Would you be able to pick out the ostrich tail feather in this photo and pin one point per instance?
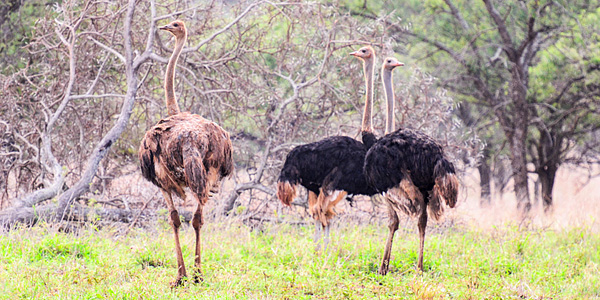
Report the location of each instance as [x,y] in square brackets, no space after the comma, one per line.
[286,192]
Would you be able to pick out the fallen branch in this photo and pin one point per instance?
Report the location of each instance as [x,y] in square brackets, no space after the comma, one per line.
[278,221]
[230,201]
[29,216]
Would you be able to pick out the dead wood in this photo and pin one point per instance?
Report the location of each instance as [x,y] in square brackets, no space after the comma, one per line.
[29,216]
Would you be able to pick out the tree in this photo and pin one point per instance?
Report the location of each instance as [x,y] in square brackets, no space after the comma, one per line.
[274,74]
[565,95]
[246,64]
[485,51]
[81,33]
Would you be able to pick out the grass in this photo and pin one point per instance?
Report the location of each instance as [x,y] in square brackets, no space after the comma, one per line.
[278,262]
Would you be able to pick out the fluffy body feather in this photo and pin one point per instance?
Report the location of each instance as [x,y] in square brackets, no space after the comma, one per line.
[329,169]
[410,162]
[186,150]
[410,169]
[334,163]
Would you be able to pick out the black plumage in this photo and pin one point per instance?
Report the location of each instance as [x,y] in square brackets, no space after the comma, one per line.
[411,171]
[331,168]
[410,168]
[410,155]
[334,163]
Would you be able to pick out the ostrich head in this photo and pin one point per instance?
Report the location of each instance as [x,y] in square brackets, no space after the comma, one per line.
[390,63]
[176,28]
[364,52]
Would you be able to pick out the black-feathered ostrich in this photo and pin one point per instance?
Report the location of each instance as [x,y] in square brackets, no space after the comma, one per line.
[184,150]
[412,172]
[331,168]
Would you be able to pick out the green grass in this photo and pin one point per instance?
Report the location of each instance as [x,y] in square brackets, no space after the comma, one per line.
[278,262]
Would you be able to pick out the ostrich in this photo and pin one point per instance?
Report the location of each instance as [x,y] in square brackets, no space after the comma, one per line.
[184,150]
[410,168]
[331,168]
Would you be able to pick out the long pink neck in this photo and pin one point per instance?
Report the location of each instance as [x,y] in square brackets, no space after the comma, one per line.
[172,106]
[389,93]
[367,122]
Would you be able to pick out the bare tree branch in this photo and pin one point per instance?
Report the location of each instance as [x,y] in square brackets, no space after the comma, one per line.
[463,23]
[508,45]
[107,141]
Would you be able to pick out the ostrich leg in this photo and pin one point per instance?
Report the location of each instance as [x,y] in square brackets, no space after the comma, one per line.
[326,242]
[197,222]
[176,223]
[329,213]
[312,202]
[422,226]
[317,237]
[393,226]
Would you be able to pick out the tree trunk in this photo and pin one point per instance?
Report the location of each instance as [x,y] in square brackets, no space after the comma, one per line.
[517,135]
[547,177]
[548,163]
[484,178]
[536,192]
[100,151]
[518,163]
[229,202]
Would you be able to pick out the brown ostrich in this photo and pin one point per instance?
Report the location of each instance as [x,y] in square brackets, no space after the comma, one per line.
[412,172]
[331,168]
[184,150]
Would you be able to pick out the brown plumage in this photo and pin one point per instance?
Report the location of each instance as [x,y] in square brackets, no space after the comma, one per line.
[412,171]
[184,150]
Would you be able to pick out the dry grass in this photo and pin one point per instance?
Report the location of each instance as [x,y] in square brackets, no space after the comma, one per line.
[576,204]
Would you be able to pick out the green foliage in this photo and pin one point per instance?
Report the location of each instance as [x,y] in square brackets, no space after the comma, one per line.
[553,44]
[57,247]
[18,30]
[279,262]
[152,256]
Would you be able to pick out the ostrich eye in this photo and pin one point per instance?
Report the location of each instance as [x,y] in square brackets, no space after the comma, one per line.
[175,25]
[364,51]
[389,61]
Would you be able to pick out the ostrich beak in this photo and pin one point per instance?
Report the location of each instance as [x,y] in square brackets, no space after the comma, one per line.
[398,64]
[166,27]
[355,53]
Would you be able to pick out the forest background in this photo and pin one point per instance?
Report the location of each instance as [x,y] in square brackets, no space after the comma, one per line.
[510,88]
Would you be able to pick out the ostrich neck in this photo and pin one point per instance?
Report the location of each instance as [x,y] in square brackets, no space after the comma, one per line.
[172,106]
[367,125]
[389,94]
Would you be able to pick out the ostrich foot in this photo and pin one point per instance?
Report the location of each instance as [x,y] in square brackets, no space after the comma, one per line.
[177,282]
[198,277]
[383,269]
